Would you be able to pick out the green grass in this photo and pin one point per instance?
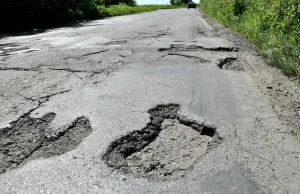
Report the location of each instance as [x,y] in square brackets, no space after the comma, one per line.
[273,27]
[123,9]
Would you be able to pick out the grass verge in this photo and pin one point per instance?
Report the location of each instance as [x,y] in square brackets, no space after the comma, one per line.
[274,28]
[123,9]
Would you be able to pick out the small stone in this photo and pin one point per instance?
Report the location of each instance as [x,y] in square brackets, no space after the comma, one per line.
[269,87]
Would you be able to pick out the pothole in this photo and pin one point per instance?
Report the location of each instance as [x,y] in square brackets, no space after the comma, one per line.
[26,140]
[229,63]
[226,61]
[184,47]
[167,147]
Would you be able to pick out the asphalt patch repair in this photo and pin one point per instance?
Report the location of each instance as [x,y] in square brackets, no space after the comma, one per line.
[167,147]
[26,140]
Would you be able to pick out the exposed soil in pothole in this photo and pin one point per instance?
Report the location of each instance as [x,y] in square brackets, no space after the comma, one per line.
[175,149]
[225,61]
[229,63]
[168,146]
[26,140]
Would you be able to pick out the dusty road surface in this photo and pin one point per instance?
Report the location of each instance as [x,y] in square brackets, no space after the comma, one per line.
[162,102]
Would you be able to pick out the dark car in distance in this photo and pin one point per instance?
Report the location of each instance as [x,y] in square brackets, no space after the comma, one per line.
[191,5]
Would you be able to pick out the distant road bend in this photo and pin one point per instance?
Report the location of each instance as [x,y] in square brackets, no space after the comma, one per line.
[159,102]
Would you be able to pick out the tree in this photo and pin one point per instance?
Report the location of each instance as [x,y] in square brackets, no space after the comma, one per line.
[186,1]
[116,2]
[175,2]
[179,2]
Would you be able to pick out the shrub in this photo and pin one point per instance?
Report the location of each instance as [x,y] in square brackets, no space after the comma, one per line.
[20,14]
[239,7]
[274,27]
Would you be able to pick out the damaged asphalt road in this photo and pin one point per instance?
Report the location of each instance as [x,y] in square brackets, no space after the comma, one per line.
[162,102]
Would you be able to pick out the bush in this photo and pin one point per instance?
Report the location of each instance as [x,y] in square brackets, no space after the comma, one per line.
[123,9]
[20,14]
[274,27]
[239,7]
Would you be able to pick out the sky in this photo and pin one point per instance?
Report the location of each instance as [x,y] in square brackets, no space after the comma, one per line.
[140,2]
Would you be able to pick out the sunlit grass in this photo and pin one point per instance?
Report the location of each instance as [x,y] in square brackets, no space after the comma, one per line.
[123,9]
[274,28]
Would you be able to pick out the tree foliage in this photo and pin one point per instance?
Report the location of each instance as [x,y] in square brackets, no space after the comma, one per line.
[116,2]
[186,1]
[17,14]
[179,2]
[175,2]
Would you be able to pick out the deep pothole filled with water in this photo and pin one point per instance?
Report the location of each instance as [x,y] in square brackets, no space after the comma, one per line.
[167,147]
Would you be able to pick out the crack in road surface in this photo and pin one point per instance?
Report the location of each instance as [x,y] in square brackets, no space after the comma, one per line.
[18,69]
[168,146]
[122,41]
[77,71]
[94,53]
[199,59]
[43,99]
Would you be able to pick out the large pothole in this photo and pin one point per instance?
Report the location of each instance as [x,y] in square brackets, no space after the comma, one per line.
[166,148]
[26,140]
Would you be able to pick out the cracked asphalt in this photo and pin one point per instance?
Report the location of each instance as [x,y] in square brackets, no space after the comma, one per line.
[112,71]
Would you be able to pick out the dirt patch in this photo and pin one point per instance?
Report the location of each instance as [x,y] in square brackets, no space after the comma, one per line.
[168,146]
[26,140]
